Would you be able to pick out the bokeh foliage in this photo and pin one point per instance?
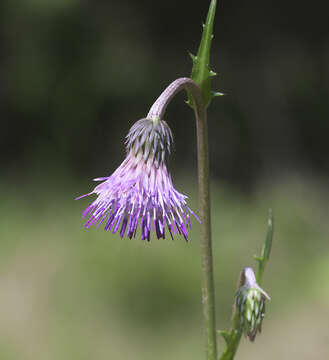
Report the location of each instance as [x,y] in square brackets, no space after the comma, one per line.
[70,293]
[76,72]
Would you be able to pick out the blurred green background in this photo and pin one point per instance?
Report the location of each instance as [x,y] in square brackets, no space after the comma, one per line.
[75,75]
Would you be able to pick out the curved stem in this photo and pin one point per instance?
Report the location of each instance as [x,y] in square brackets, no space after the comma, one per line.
[208,290]
[232,344]
[159,107]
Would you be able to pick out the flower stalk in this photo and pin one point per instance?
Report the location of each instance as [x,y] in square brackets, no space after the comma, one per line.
[202,75]
[199,97]
[208,287]
[208,291]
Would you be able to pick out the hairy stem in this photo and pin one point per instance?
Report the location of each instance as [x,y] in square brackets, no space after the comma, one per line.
[208,290]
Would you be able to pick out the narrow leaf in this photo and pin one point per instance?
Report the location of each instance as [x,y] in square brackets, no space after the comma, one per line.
[201,72]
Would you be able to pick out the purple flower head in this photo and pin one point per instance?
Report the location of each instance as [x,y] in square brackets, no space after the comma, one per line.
[140,192]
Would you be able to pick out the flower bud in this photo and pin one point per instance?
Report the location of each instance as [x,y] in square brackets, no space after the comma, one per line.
[250,304]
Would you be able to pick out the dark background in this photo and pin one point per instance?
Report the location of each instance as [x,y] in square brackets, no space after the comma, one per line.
[74,76]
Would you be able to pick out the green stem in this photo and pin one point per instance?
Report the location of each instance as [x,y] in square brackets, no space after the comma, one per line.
[208,291]
[208,288]
[232,337]
[232,345]
[202,74]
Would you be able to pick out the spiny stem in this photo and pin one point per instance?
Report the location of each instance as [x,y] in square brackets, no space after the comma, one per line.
[208,291]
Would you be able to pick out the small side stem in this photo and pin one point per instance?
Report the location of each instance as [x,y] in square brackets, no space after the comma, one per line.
[233,336]
[232,345]
[208,290]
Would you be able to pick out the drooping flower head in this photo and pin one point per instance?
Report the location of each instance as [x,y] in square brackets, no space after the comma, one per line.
[140,193]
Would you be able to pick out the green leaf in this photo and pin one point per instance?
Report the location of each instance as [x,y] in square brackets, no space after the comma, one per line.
[266,250]
[201,72]
[269,236]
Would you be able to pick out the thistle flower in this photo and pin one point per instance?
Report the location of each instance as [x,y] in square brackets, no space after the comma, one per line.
[140,193]
[250,304]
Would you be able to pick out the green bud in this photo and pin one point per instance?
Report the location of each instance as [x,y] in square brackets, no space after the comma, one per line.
[250,304]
